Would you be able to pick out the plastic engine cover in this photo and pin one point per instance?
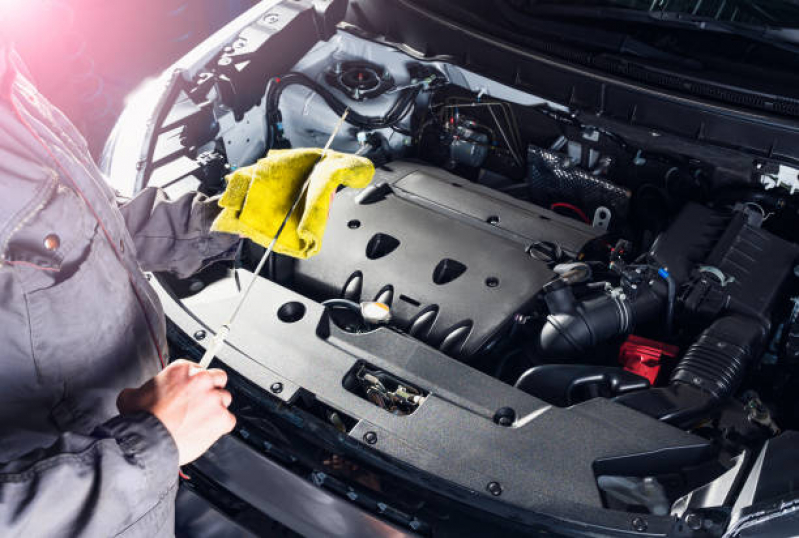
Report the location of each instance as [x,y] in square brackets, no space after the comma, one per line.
[450,257]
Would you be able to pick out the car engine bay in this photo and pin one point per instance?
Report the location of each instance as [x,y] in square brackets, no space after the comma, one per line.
[558,256]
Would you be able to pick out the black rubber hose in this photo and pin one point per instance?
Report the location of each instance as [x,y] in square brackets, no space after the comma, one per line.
[398,110]
[710,371]
[573,328]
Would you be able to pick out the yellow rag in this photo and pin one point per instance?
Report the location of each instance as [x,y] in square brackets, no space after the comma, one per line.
[258,197]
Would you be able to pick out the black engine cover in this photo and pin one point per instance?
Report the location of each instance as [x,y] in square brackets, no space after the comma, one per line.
[451,257]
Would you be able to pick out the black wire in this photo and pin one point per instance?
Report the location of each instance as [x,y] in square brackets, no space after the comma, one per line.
[401,107]
[672,295]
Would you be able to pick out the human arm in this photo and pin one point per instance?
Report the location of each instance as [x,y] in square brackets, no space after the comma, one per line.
[99,484]
[174,235]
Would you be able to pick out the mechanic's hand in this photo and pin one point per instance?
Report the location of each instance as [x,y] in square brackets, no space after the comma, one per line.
[190,401]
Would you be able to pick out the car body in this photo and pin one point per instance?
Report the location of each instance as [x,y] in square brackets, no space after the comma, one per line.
[497,231]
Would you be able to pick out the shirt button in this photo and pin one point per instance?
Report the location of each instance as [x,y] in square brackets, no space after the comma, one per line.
[52,242]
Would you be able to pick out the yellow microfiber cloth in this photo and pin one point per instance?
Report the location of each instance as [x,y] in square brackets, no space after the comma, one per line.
[258,197]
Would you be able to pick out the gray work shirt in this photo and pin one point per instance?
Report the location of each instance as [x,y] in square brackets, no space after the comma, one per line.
[78,323]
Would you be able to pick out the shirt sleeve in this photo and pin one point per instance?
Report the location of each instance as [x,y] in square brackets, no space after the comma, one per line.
[95,485]
[175,236]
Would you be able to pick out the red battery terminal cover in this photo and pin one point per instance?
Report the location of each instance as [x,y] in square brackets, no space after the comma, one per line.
[643,357]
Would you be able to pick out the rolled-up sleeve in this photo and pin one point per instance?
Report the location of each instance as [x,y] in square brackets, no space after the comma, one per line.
[174,235]
[94,485]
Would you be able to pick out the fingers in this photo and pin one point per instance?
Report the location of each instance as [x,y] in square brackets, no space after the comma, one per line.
[225,397]
[195,369]
[231,422]
[207,379]
[219,377]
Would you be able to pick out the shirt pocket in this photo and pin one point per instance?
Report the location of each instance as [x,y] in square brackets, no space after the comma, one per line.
[51,243]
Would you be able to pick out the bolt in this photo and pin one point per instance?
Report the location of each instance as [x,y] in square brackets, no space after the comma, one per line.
[200,335]
[639,524]
[494,488]
[370,438]
[271,18]
[694,521]
[277,387]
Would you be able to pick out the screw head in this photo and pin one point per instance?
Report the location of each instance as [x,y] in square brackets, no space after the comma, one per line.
[494,488]
[505,416]
[200,335]
[370,438]
[276,387]
[639,524]
[492,282]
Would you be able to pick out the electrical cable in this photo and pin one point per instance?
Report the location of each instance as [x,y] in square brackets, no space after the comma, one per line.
[342,303]
[565,205]
[398,111]
[504,136]
[672,294]
[446,115]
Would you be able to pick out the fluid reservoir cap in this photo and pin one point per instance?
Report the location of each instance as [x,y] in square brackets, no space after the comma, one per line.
[375,313]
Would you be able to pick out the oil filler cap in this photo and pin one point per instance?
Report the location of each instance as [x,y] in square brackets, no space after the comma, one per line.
[375,313]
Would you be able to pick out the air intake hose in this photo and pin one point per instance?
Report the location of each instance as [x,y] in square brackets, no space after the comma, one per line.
[710,371]
[573,328]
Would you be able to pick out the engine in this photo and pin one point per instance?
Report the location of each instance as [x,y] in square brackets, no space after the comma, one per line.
[639,282]
[459,289]
[538,245]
